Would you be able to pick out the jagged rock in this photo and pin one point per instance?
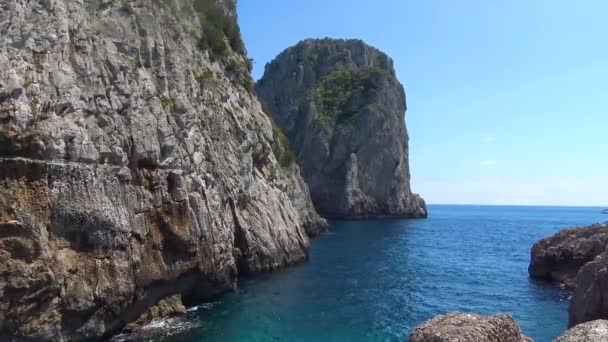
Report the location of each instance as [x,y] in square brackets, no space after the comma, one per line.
[561,256]
[594,331]
[342,109]
[464,327]
[167,307]
[590,301]
[134,166]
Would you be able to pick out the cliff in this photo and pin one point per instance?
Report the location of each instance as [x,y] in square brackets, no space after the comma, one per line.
[135,164]
[342,109]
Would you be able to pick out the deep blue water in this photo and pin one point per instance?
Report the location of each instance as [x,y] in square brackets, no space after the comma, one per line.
[375,280]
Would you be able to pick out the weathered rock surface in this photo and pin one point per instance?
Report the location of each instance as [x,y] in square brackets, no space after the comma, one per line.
[342,108]
[464,327]
[590,301]
[578,258]
[133,167]
[594,331]
[560,257]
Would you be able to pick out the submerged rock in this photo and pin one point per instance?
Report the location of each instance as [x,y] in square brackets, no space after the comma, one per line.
[135,164]
[561,256]
[342,108]
[465,327]
[594,331]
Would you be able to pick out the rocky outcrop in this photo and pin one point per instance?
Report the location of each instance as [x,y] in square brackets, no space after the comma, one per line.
[590,301]
[560,257]
[578,258]
[342,109]
[455,327]
[135,164]
[594,331]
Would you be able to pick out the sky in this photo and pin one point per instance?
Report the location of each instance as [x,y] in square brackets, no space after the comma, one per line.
[507,99]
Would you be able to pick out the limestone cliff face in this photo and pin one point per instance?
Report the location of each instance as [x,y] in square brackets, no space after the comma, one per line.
[342,108]
[135,164]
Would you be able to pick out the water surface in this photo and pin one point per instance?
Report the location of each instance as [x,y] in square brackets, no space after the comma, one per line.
[375,280]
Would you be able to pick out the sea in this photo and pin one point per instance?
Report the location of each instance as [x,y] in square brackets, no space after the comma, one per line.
[375,280]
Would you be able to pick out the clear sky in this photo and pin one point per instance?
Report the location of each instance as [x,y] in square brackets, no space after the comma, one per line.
[507,100]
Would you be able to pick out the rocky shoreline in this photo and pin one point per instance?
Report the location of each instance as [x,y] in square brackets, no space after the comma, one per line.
[467,327]
[576,257]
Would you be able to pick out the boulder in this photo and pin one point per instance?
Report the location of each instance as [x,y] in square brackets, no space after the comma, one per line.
[467,327]
[593,331]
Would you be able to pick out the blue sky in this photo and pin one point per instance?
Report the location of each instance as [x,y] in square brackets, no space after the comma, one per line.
[507,100]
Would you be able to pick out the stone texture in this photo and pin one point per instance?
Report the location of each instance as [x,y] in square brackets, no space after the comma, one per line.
[167,307]
[560,257]
[133,167]
[342,108]
[590,300]
[465,327]
[594,331]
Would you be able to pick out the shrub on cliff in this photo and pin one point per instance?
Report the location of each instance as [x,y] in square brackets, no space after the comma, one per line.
[218,27]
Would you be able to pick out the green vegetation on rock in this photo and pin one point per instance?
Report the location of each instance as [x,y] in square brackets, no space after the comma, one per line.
[336,92]
[280,146]
[218,26]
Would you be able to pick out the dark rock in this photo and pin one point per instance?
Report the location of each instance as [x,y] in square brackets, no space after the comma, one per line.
[461,327]
[342,109]
[561,256]
[594,331]
[134,167]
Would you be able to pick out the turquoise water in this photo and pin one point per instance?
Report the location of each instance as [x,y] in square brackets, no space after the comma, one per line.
[375,280]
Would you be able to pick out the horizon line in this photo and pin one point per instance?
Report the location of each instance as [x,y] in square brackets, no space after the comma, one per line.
[522,205]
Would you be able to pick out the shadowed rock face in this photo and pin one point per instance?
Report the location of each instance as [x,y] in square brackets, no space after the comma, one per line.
[594,331]
[590,300]
[133,167]
[342,108]
[456,327]
[560,257]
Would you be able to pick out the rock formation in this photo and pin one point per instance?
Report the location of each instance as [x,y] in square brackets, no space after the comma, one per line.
[590,301]
[594,331]
[577,257]
[456,327]
[135,164]
[561,256]
[342,109]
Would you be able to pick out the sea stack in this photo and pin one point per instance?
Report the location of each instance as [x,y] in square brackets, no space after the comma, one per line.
[136,165]
[343,110]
